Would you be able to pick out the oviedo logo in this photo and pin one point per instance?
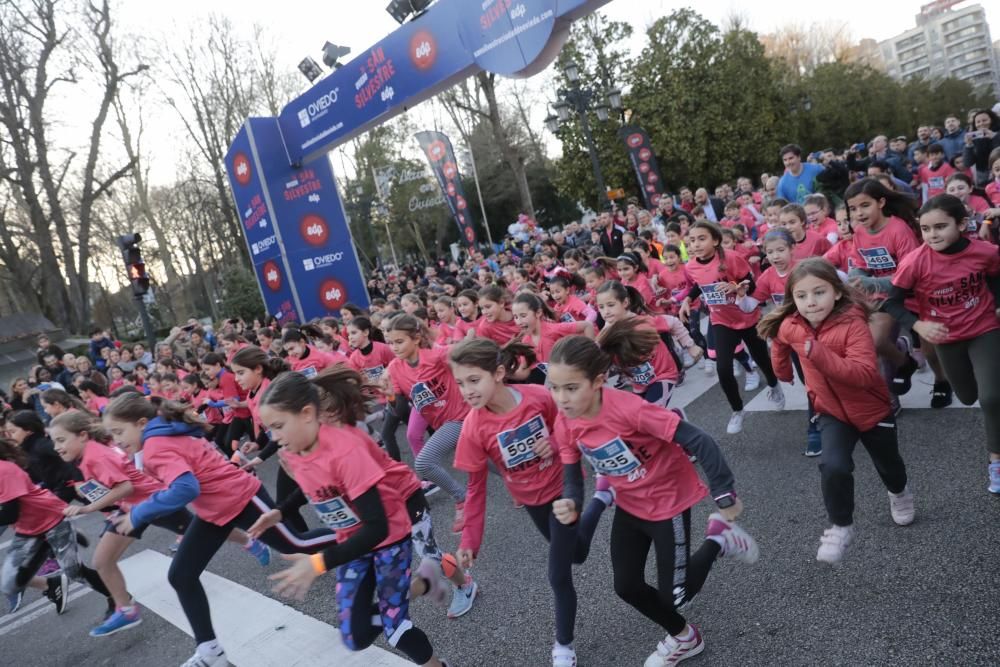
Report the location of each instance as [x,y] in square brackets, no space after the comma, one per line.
[634,140]
[314,230]
[332,294]
[272,276]
[241,168]
[436,151]
[423,50]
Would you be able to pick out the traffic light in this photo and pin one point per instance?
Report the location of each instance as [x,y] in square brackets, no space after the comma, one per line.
[134,264]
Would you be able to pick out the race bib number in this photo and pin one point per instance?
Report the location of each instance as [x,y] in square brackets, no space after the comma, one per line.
[422,396]
[93,490]
[517,444]
[543,367]
[877,259]
[713,294]
[936,182]
[642,374]
[566,317]
[613,458]
[778,299]
[309,371]
[336,514]
[375,374]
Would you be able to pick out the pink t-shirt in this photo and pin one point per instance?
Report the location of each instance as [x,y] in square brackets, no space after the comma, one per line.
[813,244]
[500,333]
[951,289]
[39,511]
[231,390]
[771,286]
[840,255]
[934,179]
[574,310]
[659,366]
[97,404]
[314,361]
[828,229]
[880,253]
[678,283]
[104,468]
[430,386]
[337,471]
[462,327]
[550,333]
[631,441]
[253,404]
[721,306]
[373,364]
[641,284]
[225,489]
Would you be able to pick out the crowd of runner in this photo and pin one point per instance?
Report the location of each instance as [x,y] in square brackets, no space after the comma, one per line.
[848,272]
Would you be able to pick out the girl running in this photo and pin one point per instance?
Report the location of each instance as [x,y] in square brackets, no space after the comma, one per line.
[235,414]
[643,450]
[825,323]
[39,526]
[567,306]
[718,277]
[510,428]
[842,253]
[808,242]
[371,357]
[167,443]
[110,480]
[422,377]
[447,320]
[356,497]
[539,328]
[467,304]
[305,358]
[635,274]
[497,322]
[955,282]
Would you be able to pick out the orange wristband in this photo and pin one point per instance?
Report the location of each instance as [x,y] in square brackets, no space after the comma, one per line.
[319,565]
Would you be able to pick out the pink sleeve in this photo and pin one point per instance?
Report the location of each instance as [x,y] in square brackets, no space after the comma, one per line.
[470,456]
[358,472]
[14,482]
[475,511]
[761,290]
[568,452]
[905,276]
[105,470]
[165,462]
[654,420]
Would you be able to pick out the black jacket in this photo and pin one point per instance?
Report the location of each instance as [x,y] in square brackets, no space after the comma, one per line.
[613,245]
[48,470]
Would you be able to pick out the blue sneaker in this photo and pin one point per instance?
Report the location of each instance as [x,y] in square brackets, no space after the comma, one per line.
[462,599]
[118,621]
[814,444]
[260,551]
[14,601]
[995,478]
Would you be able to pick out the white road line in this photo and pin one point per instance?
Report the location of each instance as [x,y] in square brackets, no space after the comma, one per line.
[256,631]
[696,383]
[38,608]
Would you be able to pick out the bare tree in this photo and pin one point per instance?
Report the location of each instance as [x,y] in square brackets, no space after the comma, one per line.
[803,48]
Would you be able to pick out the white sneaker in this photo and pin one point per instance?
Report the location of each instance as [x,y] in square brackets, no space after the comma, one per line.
[709,367]
[776,396]
[834,542]
[901,507]
[672,650]
[563,656]
[735,423]
[753,381]
[737,543]
[737,369]
[207,660]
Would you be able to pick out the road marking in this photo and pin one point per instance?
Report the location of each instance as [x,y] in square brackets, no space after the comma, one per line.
[254,629]
[918,398]
[38,608]
[696,382]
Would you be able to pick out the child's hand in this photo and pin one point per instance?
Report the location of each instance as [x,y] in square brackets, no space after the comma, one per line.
[733,511]
[543,449]
[73,510]
[565,511]
[933,332]
[808,347]
[296,580]
[696,353]
[264,522]
[465,558]
[685,310]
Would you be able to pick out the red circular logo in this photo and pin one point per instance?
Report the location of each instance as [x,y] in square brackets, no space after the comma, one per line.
[655,199]
[650,188]
[449,170]
[652,177]
[470,235]
[436,151]
[272,276]
[460,203]
[643,167]
[241,169]
[423,50]
[451,189]
[314,230]
[332,294]
[634,140]
[645,154]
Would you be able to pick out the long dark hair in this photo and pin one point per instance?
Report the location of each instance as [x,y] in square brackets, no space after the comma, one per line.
[132,406]
[338,391]
[625,293]
[485,354]
[715,231]
[896,203]
[9,451]
[253,357]
[630,341]
[581,353]
[536,305]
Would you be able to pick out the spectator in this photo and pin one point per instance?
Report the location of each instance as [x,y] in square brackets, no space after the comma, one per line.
[609,235]
[798,181]
[141,356]
[923,141]
[977,149]
[879,150]
[953,139]
[686,199]
[46,347]
[98,342]
[712,207]
[881,167]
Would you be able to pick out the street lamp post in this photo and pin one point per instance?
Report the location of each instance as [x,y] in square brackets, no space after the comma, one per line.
[581,99]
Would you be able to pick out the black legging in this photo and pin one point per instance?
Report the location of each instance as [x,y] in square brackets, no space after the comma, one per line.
[679,575]
[568,546]
[726,342]
[285,486]
[203,539]
[239,427]
[391,422]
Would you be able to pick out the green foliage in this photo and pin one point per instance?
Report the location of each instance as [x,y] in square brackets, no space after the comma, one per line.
[240,294]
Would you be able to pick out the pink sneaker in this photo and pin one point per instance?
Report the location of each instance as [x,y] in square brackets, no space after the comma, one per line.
[736,542]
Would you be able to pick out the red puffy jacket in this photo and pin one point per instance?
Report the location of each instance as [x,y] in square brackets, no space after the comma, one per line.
[841,369]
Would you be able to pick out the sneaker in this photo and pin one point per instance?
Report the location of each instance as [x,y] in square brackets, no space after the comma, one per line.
[429,488]
[753,381]
[58,592]
[603,490]
[50,566]
[710,367]
[176,545]
[563,656]
[260,551]
[737,369]
[210,660]
[994,486]
[118,621]
[14,601]
[777,396]
[735,423]
[833,543]
[902,381]
[941,395]
[897,407]
[672,649]
[901,507]
[462,598]
[459,523]
[437,586]
[737,542]
[814,442]
[111,607]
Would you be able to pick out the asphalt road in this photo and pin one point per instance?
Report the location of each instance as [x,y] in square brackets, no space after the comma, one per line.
[925,594]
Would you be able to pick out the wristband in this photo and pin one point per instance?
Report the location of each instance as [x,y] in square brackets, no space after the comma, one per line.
[726,500]
[318,563]
[988,221]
